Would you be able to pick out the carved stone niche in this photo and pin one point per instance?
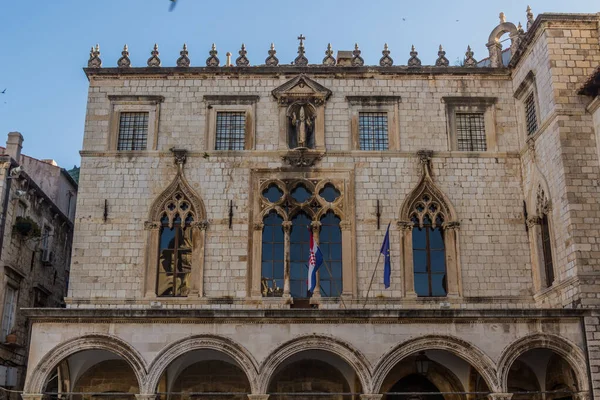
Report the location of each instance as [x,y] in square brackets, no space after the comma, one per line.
[302,116]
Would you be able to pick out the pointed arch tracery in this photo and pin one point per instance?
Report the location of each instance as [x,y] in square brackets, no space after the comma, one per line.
[179,213]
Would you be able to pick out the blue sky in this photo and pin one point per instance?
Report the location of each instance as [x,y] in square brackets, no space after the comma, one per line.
[45,43]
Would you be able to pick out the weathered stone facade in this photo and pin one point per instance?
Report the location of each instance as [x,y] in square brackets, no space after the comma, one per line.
[518,219]
[34,253]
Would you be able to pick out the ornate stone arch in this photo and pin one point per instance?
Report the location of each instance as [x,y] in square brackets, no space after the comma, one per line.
[171,352]
[39,374]
[495,47]
[179,198]
[561,346]
[427,199]
[353,357]
[458,347]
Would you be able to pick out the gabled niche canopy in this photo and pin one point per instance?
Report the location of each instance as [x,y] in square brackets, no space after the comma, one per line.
[301,88]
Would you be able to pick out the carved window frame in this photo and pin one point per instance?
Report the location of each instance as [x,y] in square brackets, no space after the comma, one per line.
[121,104]
[450,229]
[153,226]
[527,88]
[543,207]
[471,105]
[230,103]
[262,179]
[382,104]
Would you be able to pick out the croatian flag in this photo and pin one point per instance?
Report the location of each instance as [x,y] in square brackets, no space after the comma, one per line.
[314,262]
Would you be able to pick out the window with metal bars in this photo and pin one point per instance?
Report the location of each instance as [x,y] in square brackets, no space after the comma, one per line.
[530,114]
[133,131]
[373,130]
[470,132]
[231,130]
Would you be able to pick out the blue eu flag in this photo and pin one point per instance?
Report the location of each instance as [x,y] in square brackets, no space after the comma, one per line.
[385,250]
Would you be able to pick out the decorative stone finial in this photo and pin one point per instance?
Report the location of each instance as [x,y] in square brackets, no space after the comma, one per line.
[357,60]
[124,61]
[529,17]
[95,61]
[184,60]
[386,60]
[520,28]
[301,60]
[154,61]
[414,61]
[329,60]
[470,62]
[213,60]
[502,18]
[272,61]
[228,59]
[442,61]
[179,156]
[242,60]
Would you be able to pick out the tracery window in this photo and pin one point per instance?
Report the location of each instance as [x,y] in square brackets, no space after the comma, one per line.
[541,229]
[429,255]
[292,209]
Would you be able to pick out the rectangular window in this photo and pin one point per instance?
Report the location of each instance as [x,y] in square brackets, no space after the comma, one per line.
[547,250]
[373,130]
[10,308]
[530,114]
[133,131]
[470,132]
[46,238]
[40,299]
[231,130]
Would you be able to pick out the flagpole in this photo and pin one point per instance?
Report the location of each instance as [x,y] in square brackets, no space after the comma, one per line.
[372,277]
[335,284]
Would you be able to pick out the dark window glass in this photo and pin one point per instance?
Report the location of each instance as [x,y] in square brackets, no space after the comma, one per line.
[231,130]
[272,255]
[133,131]
[272,193]
[299,253]
[175,262]
[301,194]
[530,114]
[547,249]
[429,260]
[330,243]
[329,193]
[373,130]
[470,132]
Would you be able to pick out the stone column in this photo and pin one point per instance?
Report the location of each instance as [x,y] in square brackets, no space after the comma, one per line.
[500,396]
[408,289]
[153,229]
[258,397]
[581,396]
[197,275]
[315,226]
[348,272]
[371,396]
[495,50]
[452,272]
[256,284]
[287,229]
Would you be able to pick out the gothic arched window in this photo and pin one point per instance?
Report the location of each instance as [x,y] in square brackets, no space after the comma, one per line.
[330,242]
[429,255]
[273,243]
[541,230]
[175,259]
[299,253]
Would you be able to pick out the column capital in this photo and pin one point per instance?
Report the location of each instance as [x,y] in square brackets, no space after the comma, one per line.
[258,397]
[405,225]
[500,396]
[315,226]
[287,226]
[581,396]
[32,396]
[152,396]
[371,396]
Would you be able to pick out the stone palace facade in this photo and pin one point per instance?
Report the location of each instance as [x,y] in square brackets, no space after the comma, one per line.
[199,188]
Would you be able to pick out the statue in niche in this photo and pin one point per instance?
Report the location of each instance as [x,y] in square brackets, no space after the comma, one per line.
[301,126]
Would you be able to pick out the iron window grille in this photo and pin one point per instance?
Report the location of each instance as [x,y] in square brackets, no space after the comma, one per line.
[530,114]
[133,131]
[470,132]
[231,130]
[373,130]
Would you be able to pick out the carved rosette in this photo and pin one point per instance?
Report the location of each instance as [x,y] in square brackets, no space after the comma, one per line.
[213,60]
[154,61]
[442,61]
[183,61]
[386,60]
[414,61]
[329,60]
[357,60]
[272,61]
[124,61]
[242,60]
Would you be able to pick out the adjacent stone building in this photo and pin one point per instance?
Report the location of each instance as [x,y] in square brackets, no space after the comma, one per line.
[37,209]
[201,188]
